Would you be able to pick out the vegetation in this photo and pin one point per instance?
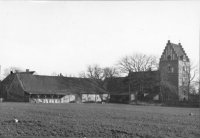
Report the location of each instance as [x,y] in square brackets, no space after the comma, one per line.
[97,120]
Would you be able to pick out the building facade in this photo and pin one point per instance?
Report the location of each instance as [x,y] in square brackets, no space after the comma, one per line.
[174,64]
[27,87]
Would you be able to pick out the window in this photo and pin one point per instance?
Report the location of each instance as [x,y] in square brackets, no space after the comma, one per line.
[172,70]
[184,58]
[169,68]
[180,81]
[169,57]
[183,68]
[181,57]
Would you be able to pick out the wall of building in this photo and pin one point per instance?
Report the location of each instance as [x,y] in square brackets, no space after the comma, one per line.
[94,97]
[176,76]
[171,75]
[183,81]
[15,91]
[5,85]
[69,98]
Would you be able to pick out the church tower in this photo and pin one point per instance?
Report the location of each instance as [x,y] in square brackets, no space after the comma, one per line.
[174,62]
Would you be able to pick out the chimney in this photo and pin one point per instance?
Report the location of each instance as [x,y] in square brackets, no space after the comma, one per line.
[179,44]
[168,41]
[27,70]
[11,72]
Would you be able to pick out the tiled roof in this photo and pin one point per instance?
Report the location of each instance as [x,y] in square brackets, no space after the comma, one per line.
[178,49]
[149,74]
[36,84]
[116,85]
[10,77]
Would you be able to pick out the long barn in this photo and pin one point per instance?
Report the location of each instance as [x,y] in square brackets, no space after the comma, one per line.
[26,87]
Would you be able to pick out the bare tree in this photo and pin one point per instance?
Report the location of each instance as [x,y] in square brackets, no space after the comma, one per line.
[137,62]
[13,69]
[139,67]
[110,72]
[191,72]
[95,72]
[82,74]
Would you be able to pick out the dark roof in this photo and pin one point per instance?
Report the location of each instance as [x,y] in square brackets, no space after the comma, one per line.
[116,85]
[178,49]
[36,84]
[8,79]
[147,74]
[11,76]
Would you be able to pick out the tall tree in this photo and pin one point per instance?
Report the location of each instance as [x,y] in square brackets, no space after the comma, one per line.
[137,62]
[96,72]
[110,72]
[191,72]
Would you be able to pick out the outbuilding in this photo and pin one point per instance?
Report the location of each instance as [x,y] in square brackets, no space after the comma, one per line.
[26,87]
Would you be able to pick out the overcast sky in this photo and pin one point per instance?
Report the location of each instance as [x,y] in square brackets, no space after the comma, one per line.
[65,36]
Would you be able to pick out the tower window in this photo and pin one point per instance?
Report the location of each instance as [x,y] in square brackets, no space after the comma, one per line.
[181,57]
[184,58]
[169,68]
[172,69]
[169,57]
[183,68]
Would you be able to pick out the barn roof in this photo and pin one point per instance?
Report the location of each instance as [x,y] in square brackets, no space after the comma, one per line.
[11,76]
[116,86]
[36,84]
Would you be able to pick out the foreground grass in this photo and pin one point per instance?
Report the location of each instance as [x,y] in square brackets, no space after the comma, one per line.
[97,120]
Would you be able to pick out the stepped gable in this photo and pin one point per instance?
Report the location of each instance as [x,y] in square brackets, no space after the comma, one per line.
[179,50]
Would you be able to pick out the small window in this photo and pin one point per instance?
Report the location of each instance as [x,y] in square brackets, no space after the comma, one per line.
[169,57]
[169,68]
[183,68]
[183,81]
[172,70]
[181,57]
[184,58]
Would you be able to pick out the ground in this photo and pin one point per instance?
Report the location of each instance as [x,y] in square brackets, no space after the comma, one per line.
[97,120]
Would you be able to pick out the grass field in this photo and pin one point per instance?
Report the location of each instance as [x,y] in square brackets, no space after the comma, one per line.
[97,120]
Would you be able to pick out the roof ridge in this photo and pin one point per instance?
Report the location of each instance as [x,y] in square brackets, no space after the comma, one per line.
[20,81]
[184,52]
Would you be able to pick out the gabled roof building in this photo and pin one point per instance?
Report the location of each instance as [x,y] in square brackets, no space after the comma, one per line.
[175,62]
[51,89]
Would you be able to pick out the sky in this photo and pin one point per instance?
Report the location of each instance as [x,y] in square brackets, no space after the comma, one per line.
[67,36]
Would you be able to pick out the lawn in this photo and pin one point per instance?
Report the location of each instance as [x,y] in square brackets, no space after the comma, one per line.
[97,120]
